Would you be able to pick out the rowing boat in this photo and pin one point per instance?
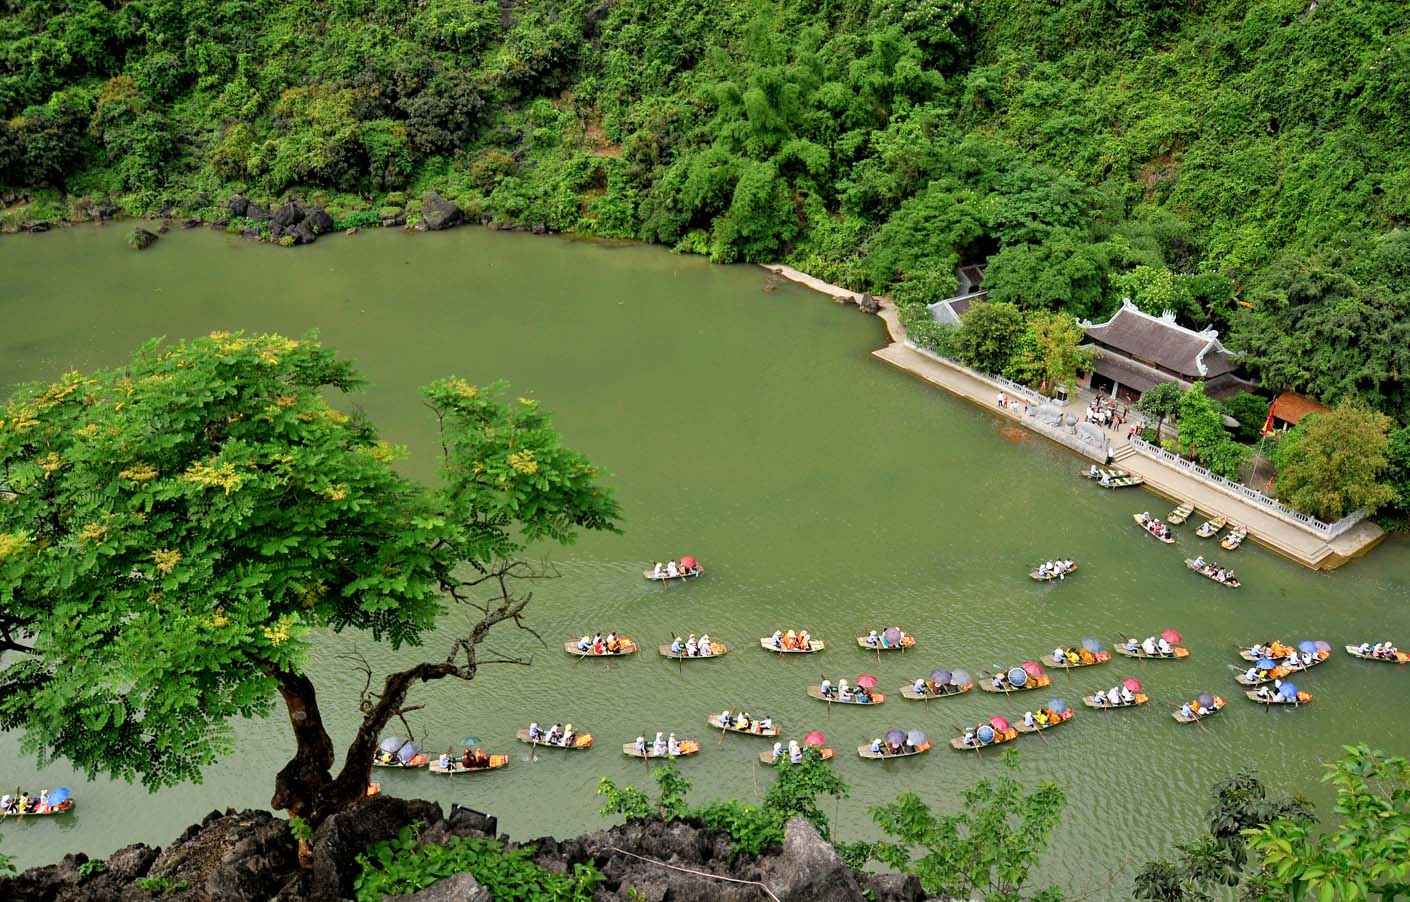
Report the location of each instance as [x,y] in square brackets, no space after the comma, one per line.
[1281,672]
[581,741]
[1208,571]
[767,756]
[1169,540]
[718,649]
[1112,472]
[814,692]
[63,807]
[628,647]
[814,645]
[1234,538]
[1400,656]
[1180,652]
[1218,706]
[1181,514]
[1276,699]
[1211,527]
[1098,658]
[1091,702]
[1038,728]
[1042,682]
[948,692]
[866,752]
[417,760]
[496,762]
[907,640]
[715,722]
[1062,575]
[1122,482]
[684,747]
[958,742]
[681,574]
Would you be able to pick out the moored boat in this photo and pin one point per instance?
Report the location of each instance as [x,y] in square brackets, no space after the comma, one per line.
[628,647]
[814,692]
[1394,657]
[684,747]
[751,730]
[1211,527]
[1097,472]
[495,763]
[1181,514]
[581,741]
[1167,537]
[1211,571]
[1234,537]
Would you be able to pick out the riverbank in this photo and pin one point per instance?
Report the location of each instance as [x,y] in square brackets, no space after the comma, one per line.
[1297,538]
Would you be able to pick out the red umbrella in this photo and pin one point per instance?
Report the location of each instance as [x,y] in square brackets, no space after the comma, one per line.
[999,724]
[1172,636]
[867,681]
[688,562]
[813,738]
[1033,668]
[1132,683]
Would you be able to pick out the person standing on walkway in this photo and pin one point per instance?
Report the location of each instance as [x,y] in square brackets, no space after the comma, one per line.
[1001,399]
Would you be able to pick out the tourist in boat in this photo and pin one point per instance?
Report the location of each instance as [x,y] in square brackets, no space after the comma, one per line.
[467,760]
[862,696]
[998,681]
[613,643]
[673,570]
[1186,711]
[790,640]
[873,639]
[1114,695]
[1093,471]
[656,572]
[1148,645]
[725,718]
[1043,570]
[744,721]
[672,746]
[555,733]
[776,640]
[795,754]
[641,746]
[844,693]
[777,751]
[1164,647]
[1100,697]
[1105,480]
[658,747]
[969,736]
[584,644]
[919,687]
[1028,719]
[676,646]
[805,641]
[1365,648]
[825,687]
[764,725]
[535,732]
[876,747]
[1127,696]
[569,737]
[707,648]
[692,646]
[444,760]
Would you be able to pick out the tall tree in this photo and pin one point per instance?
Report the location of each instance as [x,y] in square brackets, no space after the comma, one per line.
[1050,353]
[178,532]
[1334,463]
[1203,437]
[987,336]
[1159,402]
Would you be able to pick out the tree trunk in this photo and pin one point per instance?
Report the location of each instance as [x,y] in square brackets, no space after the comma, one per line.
[299,783]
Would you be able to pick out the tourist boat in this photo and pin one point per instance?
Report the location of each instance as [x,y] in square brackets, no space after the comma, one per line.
[1000,736]
[1211,528]
[1109,472]
[865,751]
[682,574]
[1180,652]
[628,648]
[581,742]
[948,692]
[1063,718]
[64,807]
[716,650]
[1400,656]
[767,756]
[1273,698]
[1208,712]
[1034,682]
[496,762]
[1281,672]
[715,722]
[685,747]
[1209,571]
[1169,540]
[1100,657]
[1064,574]
[907,641]
[814,692]
[417,760]
[814,645]
[1091,702]
[1181,514]
[1234,537]
[1283,650]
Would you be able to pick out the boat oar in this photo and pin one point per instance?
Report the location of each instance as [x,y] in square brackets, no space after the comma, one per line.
[960,730]
[680,660]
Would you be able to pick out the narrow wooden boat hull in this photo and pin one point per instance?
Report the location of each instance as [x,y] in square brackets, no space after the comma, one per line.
[1033,683]
[496,762]
[814,646]
[1022,727]
[1239,678]
[1169,540]
[666,578]
[416,761]
[910,693]
[767,757]
[1210,528]
[629,648]
[876,698]
[1124,482]
[1252,696]
[1091,702]
[864,751]
[1180,514]
[1219,706]
[862,641]
[1401,658]
[1051,576]
[1209,575]
[957,743]
[771,732]
[720,651]
[1054,662]
[1180,654]
[1113,472]
[65,808]
[1234,538]
[687,747]
[581,742]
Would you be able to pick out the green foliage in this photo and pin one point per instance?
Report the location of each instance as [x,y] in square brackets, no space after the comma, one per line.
[1397,511]
[987,850]
[7,865]
[405,864]
[1160,401]
[922,329]
[1202,436]
[987,336]
[91,868]
[1334,463]
[162,885]
[300,829]
[1364,855]
[1251,411]
[1048,355]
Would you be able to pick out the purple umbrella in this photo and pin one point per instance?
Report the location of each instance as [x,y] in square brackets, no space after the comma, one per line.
[391,744]
[961,678]
[1205,700]
[892,635]
[406,752]
[1092,645]
[895,737]
[917,738]
[1322,646]
[1266,664]
[940,677]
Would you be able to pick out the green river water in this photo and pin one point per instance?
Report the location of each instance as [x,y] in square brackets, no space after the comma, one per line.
[819,487]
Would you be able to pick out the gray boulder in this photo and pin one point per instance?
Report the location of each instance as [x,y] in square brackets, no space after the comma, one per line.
[341,838]
[459,888]
[809,869]
[869,304]
[439,213]
[238,205]
[141,239]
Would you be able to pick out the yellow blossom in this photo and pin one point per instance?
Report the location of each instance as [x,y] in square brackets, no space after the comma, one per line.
[219,335]
[216,620]
[280,631]
[462,388]
[166,560]
[337,492]
[139,472]
[88,432]
[50,463]
[220,475]
[93,532]
[528,402]
[523,462]
[12,543]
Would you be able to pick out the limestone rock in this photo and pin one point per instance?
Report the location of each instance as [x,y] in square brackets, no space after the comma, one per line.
[439,213]
[868,304]
[141,239]
[459,888]
[810,870]
[341,838]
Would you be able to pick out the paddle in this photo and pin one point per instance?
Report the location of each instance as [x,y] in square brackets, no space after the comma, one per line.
[960,730]
[680,660]
[828,696]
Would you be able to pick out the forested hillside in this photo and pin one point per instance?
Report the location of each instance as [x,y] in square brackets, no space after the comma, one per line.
[1243,162]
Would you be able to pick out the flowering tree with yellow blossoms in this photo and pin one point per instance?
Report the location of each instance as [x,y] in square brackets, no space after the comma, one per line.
[175,533]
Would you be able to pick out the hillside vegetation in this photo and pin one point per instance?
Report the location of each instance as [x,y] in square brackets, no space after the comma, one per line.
[1245,163]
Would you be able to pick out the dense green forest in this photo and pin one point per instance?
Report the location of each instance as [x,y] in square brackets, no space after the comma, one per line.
[1245,163]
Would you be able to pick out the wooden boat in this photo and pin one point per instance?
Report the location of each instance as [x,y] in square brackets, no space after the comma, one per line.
[1181,652]
[949,692]
[1036,728]
[1400,656]
[417,760]
[1275,699]
[1208,571]
[581,742]
[1051,661]
[907,641]
[814,692]
[1169,540]
[1123,482]
[1181,514]
[1281,672]
[64,807]
[1063,575]
[1091,702]
[1211,527]
[957,742]
[814,645]
[715,722]
[628,648]
[1111,472]
[686,746]
[496,762]
[719,649]
[865,751]
[767,756]
[1234,537]
[1042,682]
[698,571]
[1218,706]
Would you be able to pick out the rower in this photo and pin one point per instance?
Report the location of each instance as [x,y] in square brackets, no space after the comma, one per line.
[1132,645]
[535,732]
[873,639]
[919,687]
[969,736]
[1251,675]
[1365,648]
[444,761]
[641,746]
[998,681]
[1059,655]
[725,718]
[778,751]
[569,737]
[765,725]
[7,804]
[676,647]
[826,687]
[1185,711]
[1028,719]
[656,571]
[1105,480]
[875,749]
[1042,569]
[584,644]
[1263,693]
[1100,697]
[776,640]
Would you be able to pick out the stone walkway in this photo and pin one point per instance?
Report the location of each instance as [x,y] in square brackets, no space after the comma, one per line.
[1297,543]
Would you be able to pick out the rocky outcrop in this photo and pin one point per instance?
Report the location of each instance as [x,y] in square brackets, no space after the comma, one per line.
[141,239]
[439,213]
[293,222]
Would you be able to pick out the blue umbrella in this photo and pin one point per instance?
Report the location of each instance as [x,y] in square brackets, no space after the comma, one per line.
[895,737]
[940,677]
[1307,647]
[1288,691]
[961,678]
[1092,645]
[1057,705]
[1265,664]
[917,738]
[59,796]
[985,734]
[1018,676]
[391,744]
[406,752]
